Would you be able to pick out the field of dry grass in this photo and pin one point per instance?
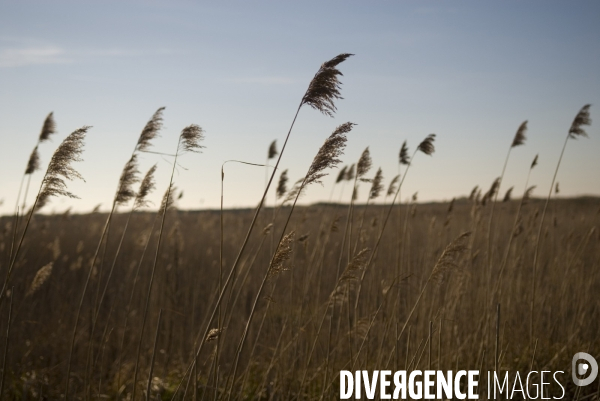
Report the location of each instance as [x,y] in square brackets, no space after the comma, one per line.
[301,336]
[271,303]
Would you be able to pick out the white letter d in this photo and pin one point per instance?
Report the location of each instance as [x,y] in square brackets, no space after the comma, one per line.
[346,390]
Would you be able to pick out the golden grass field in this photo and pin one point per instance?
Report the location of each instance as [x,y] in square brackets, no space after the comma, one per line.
[298,331]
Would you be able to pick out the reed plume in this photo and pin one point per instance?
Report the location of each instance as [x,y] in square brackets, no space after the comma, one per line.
[450,259]
[534,162]
[48,129]
[508,194]
[282,184]
[376,185]
[272,150]
[147,185]
[350,172]
[60,168]
[492,192]
[403,157]
[150,131]
[190,138]
[325,87]
[282,256]
[364,164]
[33,164]
[129,176]
[40,278]
[582,118]
[168,199]
[341,175]
[473,193]
[328,155]
[520,138]
[426,146]
[356,264]
[213,334]
[451,205]
[393,185]
[527,194]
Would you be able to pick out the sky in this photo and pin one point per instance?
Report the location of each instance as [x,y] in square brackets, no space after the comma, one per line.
[469,71]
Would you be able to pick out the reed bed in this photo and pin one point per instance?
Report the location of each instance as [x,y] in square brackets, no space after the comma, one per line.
[271,303]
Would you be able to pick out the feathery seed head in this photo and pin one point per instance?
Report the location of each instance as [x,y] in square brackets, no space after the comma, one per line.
[272,150]
[48,128]
[364,163]
[473,193]
[534,162]
[59,169]
[449,261]
[33,164]
[427,145]
[403,157]
[325,87]
[392,188]
[527,195]
[146,187]
[491,193]
[267,229]
[508,194]
[282,185]
[168,199]
[341,174]
[296,191]
[520,135]
[376,185]
[40,278]
[283,254]
[582,118]
[451,206]
[190,138]
[150,131]
[350,173]
[213,334]
[349,276]
[129,176]
[327,156]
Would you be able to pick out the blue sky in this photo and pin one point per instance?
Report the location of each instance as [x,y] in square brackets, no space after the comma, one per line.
[468,71]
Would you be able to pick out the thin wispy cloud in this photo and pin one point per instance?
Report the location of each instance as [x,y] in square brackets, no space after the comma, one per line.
[119,52]
[19,52]
[17,57]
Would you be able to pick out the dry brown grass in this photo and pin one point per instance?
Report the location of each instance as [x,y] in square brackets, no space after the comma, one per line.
[187,277]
